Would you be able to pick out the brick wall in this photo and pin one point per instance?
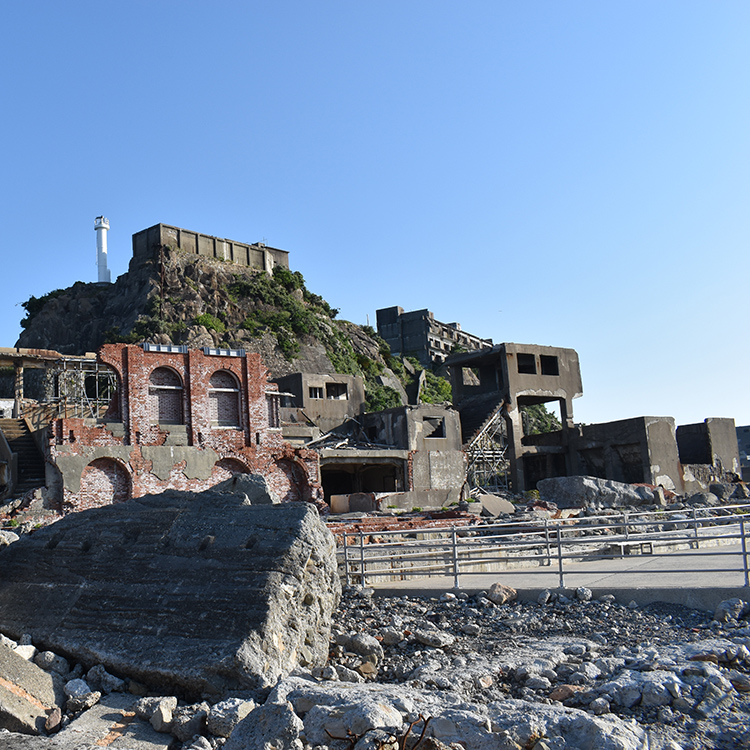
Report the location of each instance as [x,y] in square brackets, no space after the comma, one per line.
[222,404]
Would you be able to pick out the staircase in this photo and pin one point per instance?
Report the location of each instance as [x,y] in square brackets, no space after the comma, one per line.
[30,460]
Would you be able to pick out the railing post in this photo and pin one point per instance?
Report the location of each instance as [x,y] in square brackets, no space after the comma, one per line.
[346,561]
[695,529]
[455,558]
[362,558]
[627,532]
[546,541]
[744,551]
[560,558]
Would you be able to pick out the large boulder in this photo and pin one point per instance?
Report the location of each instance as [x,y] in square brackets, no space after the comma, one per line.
[592,492]
[203,591]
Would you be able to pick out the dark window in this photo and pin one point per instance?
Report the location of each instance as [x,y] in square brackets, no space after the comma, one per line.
[434,427]
[316,392]
[549,365]
[526,364]
[224,399]
[272,401]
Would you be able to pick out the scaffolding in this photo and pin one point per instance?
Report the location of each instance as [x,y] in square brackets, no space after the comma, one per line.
[489,467]
[82,388]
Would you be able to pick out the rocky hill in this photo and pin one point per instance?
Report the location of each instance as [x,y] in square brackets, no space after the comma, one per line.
[177,298]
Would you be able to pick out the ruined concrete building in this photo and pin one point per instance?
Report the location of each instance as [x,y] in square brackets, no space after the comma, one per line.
[492,387]
[418,334]
[743,438]
[256,255]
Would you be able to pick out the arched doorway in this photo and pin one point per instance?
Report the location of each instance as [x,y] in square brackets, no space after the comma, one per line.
[165,396]
[226,468]
[103,482]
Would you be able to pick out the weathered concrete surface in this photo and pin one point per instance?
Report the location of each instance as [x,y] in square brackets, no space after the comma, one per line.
[111,723]
[201,591]
[27,693]
[592,492]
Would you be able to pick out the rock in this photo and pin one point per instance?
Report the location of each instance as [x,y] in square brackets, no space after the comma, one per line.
[273,726]
[434,638]
[584,594]
[730,609]
[592,492]
[187,721]
[252,487]
[199,743]
[499,593]
[52,662]
[76,704]
[224,716]
[136,587]
[348,675]
[391,637]
[162,718]
[101,680]
[145,707]
[77,688]
[367,646]
[714,700]
[493,506]
[26,650]
[8,537]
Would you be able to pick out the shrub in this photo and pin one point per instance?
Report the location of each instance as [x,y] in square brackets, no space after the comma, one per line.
[211,322]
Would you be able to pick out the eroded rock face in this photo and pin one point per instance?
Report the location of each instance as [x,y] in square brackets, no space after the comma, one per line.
[201,591]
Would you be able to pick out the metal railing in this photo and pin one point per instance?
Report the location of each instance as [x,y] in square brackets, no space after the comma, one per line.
[536,546]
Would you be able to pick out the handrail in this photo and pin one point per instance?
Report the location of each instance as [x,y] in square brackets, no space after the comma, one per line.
[453,550]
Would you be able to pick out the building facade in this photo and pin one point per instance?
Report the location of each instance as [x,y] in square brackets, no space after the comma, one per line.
[418,334]
[178,419]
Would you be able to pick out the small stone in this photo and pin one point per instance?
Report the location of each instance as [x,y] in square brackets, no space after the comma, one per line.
[100,679]
[391,637]
[739,680]
[368,670]
[544,597]
[714,700]
[499,593]
[484,681]
[348,675]
[633,604]
[52,662]
[145,707]
[76,688]
[470,628]
[189,721]
[54,720]
[599,706]
[564,692]
[434,638]
[366,646]
[224,716]
[26,650]
[75,705]
[584,594]
[161,719]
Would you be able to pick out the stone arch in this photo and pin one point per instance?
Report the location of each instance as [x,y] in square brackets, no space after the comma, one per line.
[224,399]
[226,468]
[165,396]
[291,483]
[103,482]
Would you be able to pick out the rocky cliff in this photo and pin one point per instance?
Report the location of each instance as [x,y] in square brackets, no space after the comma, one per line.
[176,298]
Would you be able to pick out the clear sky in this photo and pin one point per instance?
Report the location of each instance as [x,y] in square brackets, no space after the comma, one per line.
[571,173]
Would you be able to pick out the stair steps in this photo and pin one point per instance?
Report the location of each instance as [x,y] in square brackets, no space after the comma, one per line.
[31,464]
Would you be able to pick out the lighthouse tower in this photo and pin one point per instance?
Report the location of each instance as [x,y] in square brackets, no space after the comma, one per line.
[101,226]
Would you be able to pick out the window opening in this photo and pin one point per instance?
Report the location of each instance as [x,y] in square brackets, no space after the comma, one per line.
[549,365]
[336,391]
[434,427]
[526,364]
[272,401]
[316,392]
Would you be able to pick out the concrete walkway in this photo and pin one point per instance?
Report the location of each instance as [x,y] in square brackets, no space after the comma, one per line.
[643,578]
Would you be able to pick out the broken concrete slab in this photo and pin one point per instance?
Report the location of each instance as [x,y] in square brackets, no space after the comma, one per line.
[198,591]
[253,486]
[27,693]
[493,506]
[111,723]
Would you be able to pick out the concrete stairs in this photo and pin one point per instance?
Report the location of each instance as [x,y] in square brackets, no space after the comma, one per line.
[31,471]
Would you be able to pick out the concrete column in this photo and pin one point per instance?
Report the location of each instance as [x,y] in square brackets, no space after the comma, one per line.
[515,449]
[18,392]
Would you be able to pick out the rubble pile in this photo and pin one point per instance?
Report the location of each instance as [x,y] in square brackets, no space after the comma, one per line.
[481,672]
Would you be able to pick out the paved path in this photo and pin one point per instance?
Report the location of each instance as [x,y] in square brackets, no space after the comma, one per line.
[712,575]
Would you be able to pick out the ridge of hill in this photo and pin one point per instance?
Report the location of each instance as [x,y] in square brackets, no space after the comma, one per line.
[178,298]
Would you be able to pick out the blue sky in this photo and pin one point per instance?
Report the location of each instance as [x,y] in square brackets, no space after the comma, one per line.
[566,173]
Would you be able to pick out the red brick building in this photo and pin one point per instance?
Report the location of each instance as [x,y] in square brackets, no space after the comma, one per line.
[180,419]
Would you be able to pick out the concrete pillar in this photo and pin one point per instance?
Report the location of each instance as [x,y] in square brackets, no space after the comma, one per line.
[18,392]
[515,449]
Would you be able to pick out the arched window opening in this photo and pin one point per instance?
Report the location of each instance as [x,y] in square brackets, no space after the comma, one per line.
[165,396]
[224,399]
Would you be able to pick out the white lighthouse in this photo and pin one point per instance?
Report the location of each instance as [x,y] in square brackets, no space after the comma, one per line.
[101,226]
